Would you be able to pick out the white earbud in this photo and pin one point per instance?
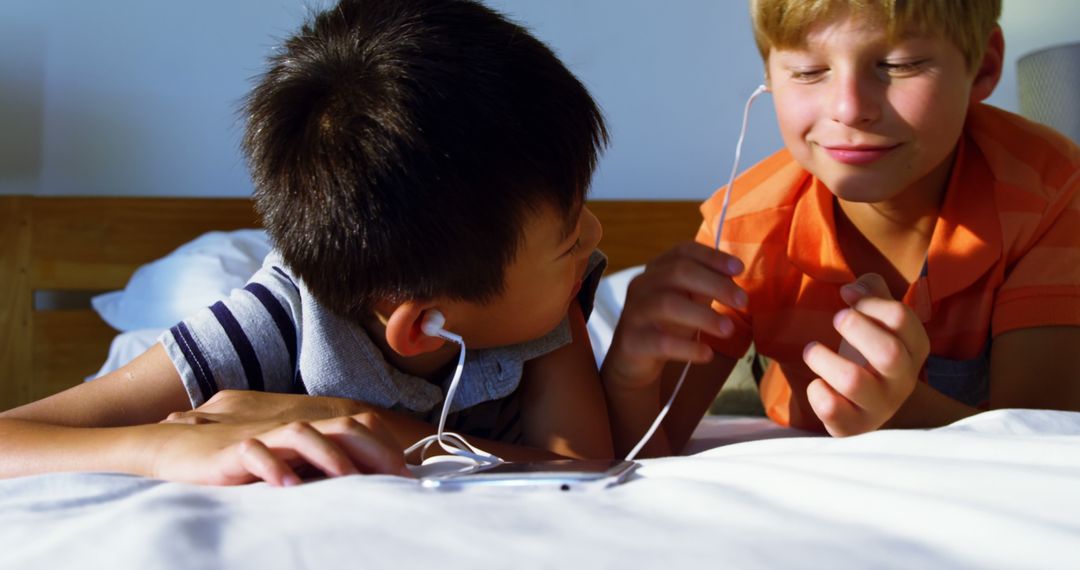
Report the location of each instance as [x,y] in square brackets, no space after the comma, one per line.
[760,89]
[432,325]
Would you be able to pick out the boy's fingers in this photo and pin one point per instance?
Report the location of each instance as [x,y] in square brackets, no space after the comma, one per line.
[258,461]
[370,454]
[877,348]
[840,416]
[679,315]
[190,417]
[717,260]
[370,422]
[688,277]
[876,326]
[884,353]
[682,349]
[867,285]
[883,331]
[699,270]
[177,418]
[845,378]
[875,284]
[849,352]
[301,440]
[371,446]
[684,313]
[655,343]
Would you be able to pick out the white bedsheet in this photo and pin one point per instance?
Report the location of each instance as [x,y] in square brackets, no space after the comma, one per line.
[1000,490]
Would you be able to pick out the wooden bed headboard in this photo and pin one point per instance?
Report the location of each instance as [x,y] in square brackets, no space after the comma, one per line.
[66,244]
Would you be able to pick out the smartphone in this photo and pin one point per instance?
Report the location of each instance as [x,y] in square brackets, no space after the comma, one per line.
[562,474]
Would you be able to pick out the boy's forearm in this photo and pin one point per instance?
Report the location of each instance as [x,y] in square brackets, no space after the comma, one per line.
[232,406]
[928,408]
[632,412]
[30,448]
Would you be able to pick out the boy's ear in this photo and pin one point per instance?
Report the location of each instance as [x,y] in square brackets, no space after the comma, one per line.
[403,332]
[989,71]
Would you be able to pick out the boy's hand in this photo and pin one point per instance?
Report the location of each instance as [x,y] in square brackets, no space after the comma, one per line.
[239,453]
[664,308]
[884,346]
[235,406]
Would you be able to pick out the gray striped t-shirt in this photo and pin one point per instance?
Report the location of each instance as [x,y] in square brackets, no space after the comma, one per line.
[273,336]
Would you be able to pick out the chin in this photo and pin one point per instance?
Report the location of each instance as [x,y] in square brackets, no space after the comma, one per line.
[863,189]
[857,195]
[552,324]
[528,335]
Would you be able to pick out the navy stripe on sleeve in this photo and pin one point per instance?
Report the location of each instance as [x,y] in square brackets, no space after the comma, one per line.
[298,384]
[204,377]
[281,318]
[241,344]
[282,273]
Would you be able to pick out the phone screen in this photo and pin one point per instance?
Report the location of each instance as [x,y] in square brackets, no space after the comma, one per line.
[563,474]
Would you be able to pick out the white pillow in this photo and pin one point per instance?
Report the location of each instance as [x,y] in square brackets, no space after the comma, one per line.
[195,275]
[206,269]
[610,298]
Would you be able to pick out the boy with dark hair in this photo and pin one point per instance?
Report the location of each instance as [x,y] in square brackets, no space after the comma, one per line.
[409,156]
[906,261]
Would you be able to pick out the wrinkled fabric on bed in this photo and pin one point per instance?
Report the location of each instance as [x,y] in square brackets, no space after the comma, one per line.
[999,490]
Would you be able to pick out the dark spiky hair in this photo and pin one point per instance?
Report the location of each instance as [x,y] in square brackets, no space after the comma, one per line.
[398,148]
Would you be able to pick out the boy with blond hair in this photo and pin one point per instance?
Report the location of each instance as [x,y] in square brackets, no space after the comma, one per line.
[908,259]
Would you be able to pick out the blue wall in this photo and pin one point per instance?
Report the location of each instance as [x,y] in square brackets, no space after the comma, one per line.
[130,97]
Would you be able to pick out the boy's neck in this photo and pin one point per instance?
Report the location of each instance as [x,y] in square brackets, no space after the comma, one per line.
[892,237]
[432,366]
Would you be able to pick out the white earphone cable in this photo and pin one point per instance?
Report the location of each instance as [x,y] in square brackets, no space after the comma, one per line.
[716,245]
[451,442]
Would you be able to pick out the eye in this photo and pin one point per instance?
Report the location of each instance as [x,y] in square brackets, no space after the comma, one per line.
[806,75]
[574,248]
[902,69]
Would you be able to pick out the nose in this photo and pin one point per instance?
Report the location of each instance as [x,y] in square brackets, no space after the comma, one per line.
[591,231]
[855,99]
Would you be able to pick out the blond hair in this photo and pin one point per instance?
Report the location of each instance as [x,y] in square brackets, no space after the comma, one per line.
[966,23]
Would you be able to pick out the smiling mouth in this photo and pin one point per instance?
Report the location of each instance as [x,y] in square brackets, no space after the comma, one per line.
[858,154]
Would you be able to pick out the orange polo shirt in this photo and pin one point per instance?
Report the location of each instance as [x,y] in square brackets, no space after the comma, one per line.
[1004,255]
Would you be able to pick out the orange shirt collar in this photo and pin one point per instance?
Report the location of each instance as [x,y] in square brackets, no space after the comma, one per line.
[812,245]
[967,239]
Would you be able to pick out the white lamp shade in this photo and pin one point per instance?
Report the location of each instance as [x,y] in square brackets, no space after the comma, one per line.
[1049,84]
